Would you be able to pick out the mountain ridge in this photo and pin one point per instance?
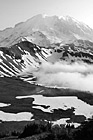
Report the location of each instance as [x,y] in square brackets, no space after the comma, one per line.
[24,57]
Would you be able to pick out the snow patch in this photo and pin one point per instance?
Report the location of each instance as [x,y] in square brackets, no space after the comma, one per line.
[63,121]
[23,116]
[59,102]
[4,105]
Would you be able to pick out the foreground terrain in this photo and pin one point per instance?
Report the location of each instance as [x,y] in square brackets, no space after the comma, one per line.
[19,97]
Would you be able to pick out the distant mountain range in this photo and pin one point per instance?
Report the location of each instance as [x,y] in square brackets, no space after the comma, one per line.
[46,30]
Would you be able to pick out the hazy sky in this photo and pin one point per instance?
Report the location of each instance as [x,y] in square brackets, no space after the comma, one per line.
[14,11]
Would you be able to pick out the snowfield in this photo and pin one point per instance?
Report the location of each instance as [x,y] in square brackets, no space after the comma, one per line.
[23,116]
[81,108]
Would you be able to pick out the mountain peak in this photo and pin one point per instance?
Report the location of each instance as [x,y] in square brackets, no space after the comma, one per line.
[56,29]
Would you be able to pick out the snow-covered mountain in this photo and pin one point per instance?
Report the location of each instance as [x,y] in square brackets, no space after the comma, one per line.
[44,39]
[46,30]
[23,58]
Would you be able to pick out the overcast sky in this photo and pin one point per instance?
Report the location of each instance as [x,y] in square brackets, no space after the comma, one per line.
[14,11]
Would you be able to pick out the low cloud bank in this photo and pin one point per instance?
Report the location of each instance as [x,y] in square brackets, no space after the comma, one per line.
[76,76]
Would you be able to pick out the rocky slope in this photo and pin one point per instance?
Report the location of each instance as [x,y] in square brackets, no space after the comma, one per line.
[24,57]
[21,57]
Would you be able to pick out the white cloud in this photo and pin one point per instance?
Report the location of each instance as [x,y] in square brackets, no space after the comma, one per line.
[76,76]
